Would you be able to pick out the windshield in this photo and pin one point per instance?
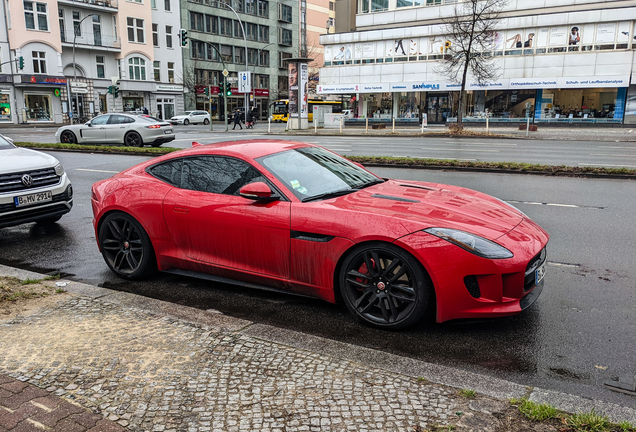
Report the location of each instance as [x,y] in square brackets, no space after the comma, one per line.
[4,144]
[188,113]
[311,172]
[280,108]
[149,118]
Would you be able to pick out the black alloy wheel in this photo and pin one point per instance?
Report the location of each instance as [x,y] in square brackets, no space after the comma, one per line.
[126,247]
[385,287]
[206,122]
[68,137]
[186,122]
[133,139]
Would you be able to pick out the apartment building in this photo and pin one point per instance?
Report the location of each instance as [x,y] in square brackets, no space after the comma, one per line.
[320,19]
[216,43]
[73,49]
[558,61]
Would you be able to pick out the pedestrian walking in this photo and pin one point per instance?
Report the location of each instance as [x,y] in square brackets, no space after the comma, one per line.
[237,119]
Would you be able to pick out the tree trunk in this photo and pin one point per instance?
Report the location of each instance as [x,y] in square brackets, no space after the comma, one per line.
[462,93]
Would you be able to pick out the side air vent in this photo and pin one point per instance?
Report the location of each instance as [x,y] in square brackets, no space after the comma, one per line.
[393,198]
[472,285]
[417,187]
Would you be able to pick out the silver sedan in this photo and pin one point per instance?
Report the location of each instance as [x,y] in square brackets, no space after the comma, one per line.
[128,129]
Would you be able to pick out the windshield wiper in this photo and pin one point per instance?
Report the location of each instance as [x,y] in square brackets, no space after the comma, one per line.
[371,183]
[330,194]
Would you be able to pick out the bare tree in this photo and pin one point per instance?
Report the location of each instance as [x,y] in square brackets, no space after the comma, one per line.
[470,31]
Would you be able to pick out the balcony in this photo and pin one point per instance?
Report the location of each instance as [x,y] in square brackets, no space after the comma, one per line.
[95,41]
[100,5]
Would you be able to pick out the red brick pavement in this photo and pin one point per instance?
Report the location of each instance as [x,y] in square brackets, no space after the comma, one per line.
[26,408]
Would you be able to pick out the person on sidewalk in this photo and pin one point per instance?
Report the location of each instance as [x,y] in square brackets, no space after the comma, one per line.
[237,119]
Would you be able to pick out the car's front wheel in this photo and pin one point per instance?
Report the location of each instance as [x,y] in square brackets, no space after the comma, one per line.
[206,122]
[126,247]
[385,287]
[68,137]
[133,139]
[186,122]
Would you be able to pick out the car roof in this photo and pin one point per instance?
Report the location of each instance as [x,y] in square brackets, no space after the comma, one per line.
[250,149]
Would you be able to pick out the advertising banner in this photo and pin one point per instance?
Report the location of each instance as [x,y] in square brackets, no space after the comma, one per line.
[303,91]
[293,89]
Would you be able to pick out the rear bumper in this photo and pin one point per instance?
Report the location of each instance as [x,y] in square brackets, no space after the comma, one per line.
[163,139]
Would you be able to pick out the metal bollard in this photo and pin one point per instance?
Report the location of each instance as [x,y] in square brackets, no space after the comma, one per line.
[341,122]
[393,131]
[315,125]
[367,129]
[528,127]
[269,125]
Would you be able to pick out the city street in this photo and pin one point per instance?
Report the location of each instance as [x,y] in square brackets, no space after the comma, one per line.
[578,335]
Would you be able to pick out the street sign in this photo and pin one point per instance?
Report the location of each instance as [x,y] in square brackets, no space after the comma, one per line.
[79,84]
[225,72]
[79,90]
[244,82]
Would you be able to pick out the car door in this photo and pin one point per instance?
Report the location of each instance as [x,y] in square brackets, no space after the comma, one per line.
[94,130]
[116,128]
[212,223]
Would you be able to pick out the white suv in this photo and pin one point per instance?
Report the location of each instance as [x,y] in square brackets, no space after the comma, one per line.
[33,186]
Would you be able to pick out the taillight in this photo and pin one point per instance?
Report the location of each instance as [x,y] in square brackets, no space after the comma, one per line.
[153,126]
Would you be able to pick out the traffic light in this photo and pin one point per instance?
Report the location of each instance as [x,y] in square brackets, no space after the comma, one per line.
[228,89]
[110,89]
[206,90]
[21,62]
[184,37]
[115,91]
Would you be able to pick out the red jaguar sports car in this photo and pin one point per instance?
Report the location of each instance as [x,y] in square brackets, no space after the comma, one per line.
[299,218]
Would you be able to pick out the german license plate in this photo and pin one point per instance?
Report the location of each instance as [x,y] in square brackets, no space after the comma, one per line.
[539,274]
[168,131]
[36,198]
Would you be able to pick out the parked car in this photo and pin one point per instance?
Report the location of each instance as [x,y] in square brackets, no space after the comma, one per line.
[194,117]
[134,130]
[298,218]
[33,186]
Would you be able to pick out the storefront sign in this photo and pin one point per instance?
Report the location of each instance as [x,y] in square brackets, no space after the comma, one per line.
[533,83]
[42,79]
[498,84]
[165,87]
[591,82]
[6,78]
[261,92]
[417,86]
[338,88]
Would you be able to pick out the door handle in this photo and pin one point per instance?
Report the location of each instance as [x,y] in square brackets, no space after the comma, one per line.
[180,209]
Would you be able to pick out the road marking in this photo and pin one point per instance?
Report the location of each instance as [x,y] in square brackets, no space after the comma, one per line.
[558,264]
[468,150]
[607,165]
[608,154]
[555,205]
[92,170]
[616,147]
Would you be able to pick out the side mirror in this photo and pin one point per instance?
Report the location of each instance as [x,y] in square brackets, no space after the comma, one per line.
[88,124]
[258,191]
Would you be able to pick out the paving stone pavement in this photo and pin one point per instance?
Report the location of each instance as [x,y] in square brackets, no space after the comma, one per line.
[105,361]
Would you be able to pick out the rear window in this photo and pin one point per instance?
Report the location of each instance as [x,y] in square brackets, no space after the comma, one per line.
[149,119]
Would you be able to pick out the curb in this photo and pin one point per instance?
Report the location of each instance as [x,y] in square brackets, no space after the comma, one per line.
[438,374]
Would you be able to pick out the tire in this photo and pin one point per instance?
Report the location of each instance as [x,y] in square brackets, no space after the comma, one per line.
[133,139]
[393,296]
[206,122]
[68,137]
[126,247]
[186,122]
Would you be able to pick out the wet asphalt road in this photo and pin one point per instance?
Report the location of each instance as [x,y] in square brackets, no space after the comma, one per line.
[580,333]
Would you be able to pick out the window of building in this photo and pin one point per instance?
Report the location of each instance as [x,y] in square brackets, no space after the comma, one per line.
[212,52]
[136,1]
[170,72]
[282,64]
[211,24]
[115,27]
[169,36]
[382,5]
[283,85]
[263,81]
[263,8]
[166,5]
[38,107]
[226,52]
[332,6]
[35,12]
[196,21]
[226,27]
[251,31]
[119,68]
[101,72]
[197,49]
[284,13]
[238,32]
[39,62]
[153,4]
[239,55]
[155,35]
[97,30]
[263,58]
[137,69]
[252,56]
[284,37]
[60,14]
[250,7]
[263,33]
[135,30]
[76,24]
[156,67]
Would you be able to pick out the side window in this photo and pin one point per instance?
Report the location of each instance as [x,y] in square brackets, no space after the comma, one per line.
[170,171]
[220,175]
[101,120]
[116,119]
[128,119]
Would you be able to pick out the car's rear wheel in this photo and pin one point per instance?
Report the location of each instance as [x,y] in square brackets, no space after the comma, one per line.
[385,287]
[206,122]
[186,122]
[68,137]
[133,139]
[126,247]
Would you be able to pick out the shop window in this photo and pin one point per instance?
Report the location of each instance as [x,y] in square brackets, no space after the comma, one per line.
[156,67]
[137,69]
[39,62]
[155,34]
[263,8]
[135,30]
[169,36]
[5,107]
[101,73]
[35,13]
[170,72]
[38,107]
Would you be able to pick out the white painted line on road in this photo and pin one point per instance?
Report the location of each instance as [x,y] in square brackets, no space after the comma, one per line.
[607,165]
[92,170]
[555,205]
[616,147]
[558,264]
[468,150]
[611,154]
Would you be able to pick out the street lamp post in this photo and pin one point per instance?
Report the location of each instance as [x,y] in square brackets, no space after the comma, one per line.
[258,60]
[70,102]
[224,96]
[245,39]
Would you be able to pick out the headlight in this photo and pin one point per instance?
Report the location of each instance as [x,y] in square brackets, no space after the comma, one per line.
[59,170]
[472,243]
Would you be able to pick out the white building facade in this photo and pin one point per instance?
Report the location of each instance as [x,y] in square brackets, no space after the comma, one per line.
[558,61]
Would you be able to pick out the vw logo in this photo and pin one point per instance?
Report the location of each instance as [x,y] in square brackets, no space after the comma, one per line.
[27,180]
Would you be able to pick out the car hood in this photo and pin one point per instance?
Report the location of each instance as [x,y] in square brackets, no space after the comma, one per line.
[21,159]
[419,205]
